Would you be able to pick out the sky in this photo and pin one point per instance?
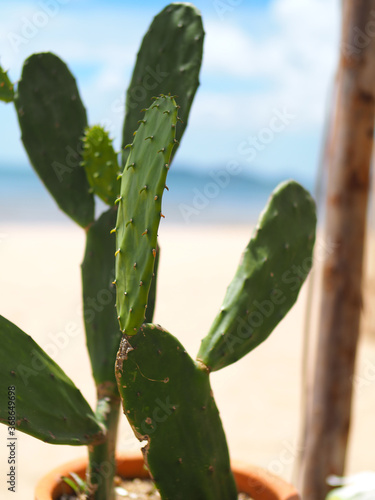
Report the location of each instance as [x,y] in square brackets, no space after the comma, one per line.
[265,83]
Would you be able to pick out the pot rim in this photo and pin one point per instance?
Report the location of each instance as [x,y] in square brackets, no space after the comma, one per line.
[250,479]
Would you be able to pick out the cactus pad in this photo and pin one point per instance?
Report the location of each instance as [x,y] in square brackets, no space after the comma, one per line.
[267,282]
[52,120]
[139,212]
[168,401]
[168,62]
[48,405]
[6,87]
[99,297]
[100,164]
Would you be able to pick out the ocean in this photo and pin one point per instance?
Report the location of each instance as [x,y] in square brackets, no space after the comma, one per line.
[215,196]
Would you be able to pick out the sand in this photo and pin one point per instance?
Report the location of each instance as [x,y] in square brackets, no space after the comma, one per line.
[259,397]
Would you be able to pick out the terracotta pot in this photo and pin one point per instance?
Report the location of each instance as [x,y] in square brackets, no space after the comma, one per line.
[256,482]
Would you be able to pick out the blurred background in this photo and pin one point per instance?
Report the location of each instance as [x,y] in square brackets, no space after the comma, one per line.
[259,117]
[266,78]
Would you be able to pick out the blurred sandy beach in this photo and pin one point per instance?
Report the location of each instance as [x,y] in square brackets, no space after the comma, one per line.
[259,397]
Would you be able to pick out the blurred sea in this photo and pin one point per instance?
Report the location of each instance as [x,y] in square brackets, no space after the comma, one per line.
[208,197]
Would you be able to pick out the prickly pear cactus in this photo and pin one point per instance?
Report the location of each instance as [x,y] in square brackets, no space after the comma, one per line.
[99,160]
[168,61]
[99,297]
[52,120]
[168,401]
[6,87]
[48,405]
[273,268]
[139,210]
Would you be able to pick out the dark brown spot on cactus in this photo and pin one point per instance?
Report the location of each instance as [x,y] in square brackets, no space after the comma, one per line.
[148,421]
[166,380]
[13,373]
[179,460]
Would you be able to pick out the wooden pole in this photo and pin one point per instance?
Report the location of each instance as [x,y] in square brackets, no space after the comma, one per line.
[328,423]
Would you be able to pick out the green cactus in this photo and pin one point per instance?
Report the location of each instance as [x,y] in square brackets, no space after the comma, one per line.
[100,163]
[267,282]
[166,395]
[67,418]
[99,297]
[186,450]
[142,187]
[76,163]
[168,401]
[52,120]
[6,87]
[168,62]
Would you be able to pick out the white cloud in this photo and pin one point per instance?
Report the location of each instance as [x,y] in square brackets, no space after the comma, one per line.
[297,56]
[291,46]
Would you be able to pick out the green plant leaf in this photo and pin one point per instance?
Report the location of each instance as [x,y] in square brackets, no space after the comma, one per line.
[47,404]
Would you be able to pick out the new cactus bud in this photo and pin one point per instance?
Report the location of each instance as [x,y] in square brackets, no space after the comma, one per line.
[6,87]
[99,160]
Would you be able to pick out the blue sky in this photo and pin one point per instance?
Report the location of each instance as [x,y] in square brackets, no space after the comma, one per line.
[266,76]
